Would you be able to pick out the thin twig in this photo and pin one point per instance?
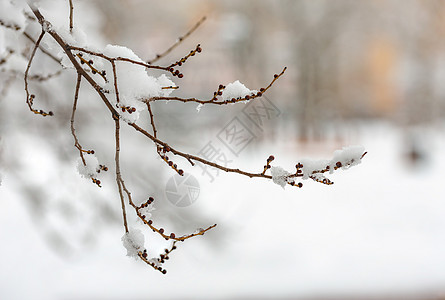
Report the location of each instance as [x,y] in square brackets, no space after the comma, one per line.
[221,102]
[152,121]
[119,180]
[30,97]
[178,41]
[73,130]
[71,16]
[42,49]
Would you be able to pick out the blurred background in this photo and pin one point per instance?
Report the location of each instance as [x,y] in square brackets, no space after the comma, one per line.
[358,73]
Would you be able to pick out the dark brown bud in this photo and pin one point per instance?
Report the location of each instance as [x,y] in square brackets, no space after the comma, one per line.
[161,230]
[90,62]
[271,158]
[180,172]
[164,271]
[338,164]
[172,235]
[180,75]
[150,222]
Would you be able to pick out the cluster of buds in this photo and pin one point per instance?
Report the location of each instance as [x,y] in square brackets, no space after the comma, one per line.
[102,168]
[218,92]
[40,111]
[267,165]
[162,153]
[321,179]
[129,109]
[175,72]
[144,205]
[149,222]
[299,168]
[96,181]
[90,63]
[293,183]
[157,262]
[179,62]
[252,96]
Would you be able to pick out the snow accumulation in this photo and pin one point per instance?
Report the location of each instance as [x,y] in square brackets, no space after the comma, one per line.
[134,83]
[133,241]
[348,157]
[279,176]
[236,90]
[90,169]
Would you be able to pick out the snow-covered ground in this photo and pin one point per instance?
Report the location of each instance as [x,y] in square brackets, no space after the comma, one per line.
[379,230]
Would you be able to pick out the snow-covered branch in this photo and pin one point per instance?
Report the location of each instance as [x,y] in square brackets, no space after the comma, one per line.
[125,86]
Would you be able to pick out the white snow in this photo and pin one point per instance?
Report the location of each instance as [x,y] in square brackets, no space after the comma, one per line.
[133,241]
[279,176]
[134,83]
[90,169]
[235,90]
[11,13]
[146,211]
[348,157]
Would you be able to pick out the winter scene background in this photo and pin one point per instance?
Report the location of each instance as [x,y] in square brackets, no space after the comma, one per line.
[361,76]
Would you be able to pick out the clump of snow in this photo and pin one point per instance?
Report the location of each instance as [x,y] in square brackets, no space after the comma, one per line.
[91,166]
[165,81]
[135,85]
[198,108]
[279,176]
[76,37]
[133,241]
[348,157]
[235,90]
[311,165]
